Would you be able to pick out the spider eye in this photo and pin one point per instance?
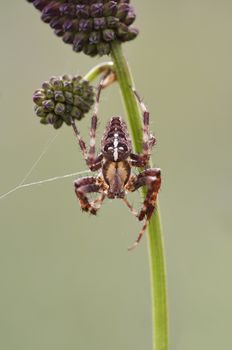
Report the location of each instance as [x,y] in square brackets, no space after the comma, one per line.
[110,148]
[121,148]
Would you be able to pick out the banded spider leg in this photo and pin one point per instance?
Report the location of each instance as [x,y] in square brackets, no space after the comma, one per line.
[141,160]
[90,185]
[94,162]
[151,178]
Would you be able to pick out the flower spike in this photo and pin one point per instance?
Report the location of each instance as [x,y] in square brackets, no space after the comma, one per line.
[89,26]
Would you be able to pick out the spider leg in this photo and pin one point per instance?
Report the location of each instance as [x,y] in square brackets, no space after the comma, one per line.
[141,160]
[152,180]
[92,143]
[95,164]
[93,161]
[79,139]
[139,236]
[97,203]
[83,187]
[131,208]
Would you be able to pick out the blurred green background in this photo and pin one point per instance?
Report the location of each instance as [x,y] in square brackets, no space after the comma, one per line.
[67,280]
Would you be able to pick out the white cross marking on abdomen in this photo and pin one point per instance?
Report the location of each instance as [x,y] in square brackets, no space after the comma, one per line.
[115,147]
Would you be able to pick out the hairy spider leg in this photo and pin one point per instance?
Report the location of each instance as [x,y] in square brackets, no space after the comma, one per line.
[151,178]
[134,245]
[92,142]
[98,201]
[94,162]
[130,206]
[79,139]
[88,185]
[141,160]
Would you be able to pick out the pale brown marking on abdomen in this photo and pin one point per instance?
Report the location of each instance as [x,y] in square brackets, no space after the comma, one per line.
[113,169]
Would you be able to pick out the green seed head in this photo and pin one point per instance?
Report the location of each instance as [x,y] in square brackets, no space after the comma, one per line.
[62,99]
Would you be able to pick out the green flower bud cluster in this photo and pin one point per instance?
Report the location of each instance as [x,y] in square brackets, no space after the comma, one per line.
[62,99]
[89,25]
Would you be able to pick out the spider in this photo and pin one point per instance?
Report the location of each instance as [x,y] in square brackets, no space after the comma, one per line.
[115,161]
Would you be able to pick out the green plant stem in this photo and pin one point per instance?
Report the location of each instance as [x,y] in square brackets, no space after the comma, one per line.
[156,251]
[98,70]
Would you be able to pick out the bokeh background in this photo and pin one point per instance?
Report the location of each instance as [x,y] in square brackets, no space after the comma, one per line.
[67,280]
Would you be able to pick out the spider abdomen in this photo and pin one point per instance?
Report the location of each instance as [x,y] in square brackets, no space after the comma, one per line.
[116,143]
[116,175]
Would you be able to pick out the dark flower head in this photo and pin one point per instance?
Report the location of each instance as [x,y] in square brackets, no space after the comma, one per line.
[89,25]
[62,99]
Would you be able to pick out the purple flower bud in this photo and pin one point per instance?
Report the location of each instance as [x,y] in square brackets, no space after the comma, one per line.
[40,111]
[96,10]
[76,113]
[48,105]
[112,22]
[95,37]
[131,34]
[52,9]
[90,50]
[59,109]
[59,32]
[122,30]
[68,38]
[103,49]
[68,10]
[46,85]
[85,25]
[38,97]
[82,11]
[59,96]
[122,11]
[79,42]
[108,35]
[56,23]
[69,25]
[99,23]
[50,118]
[130,18]
[110,8]
[39,4]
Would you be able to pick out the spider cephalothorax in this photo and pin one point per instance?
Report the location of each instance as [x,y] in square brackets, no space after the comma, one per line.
[116,160]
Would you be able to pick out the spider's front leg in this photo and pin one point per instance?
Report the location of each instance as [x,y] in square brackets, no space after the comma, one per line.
[89,185]
[151,178]
[93,161]
[141,160]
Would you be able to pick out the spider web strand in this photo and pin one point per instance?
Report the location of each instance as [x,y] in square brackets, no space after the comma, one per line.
[40,182]
[44,151]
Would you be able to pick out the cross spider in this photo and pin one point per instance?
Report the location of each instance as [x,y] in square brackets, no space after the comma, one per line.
[116,160]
